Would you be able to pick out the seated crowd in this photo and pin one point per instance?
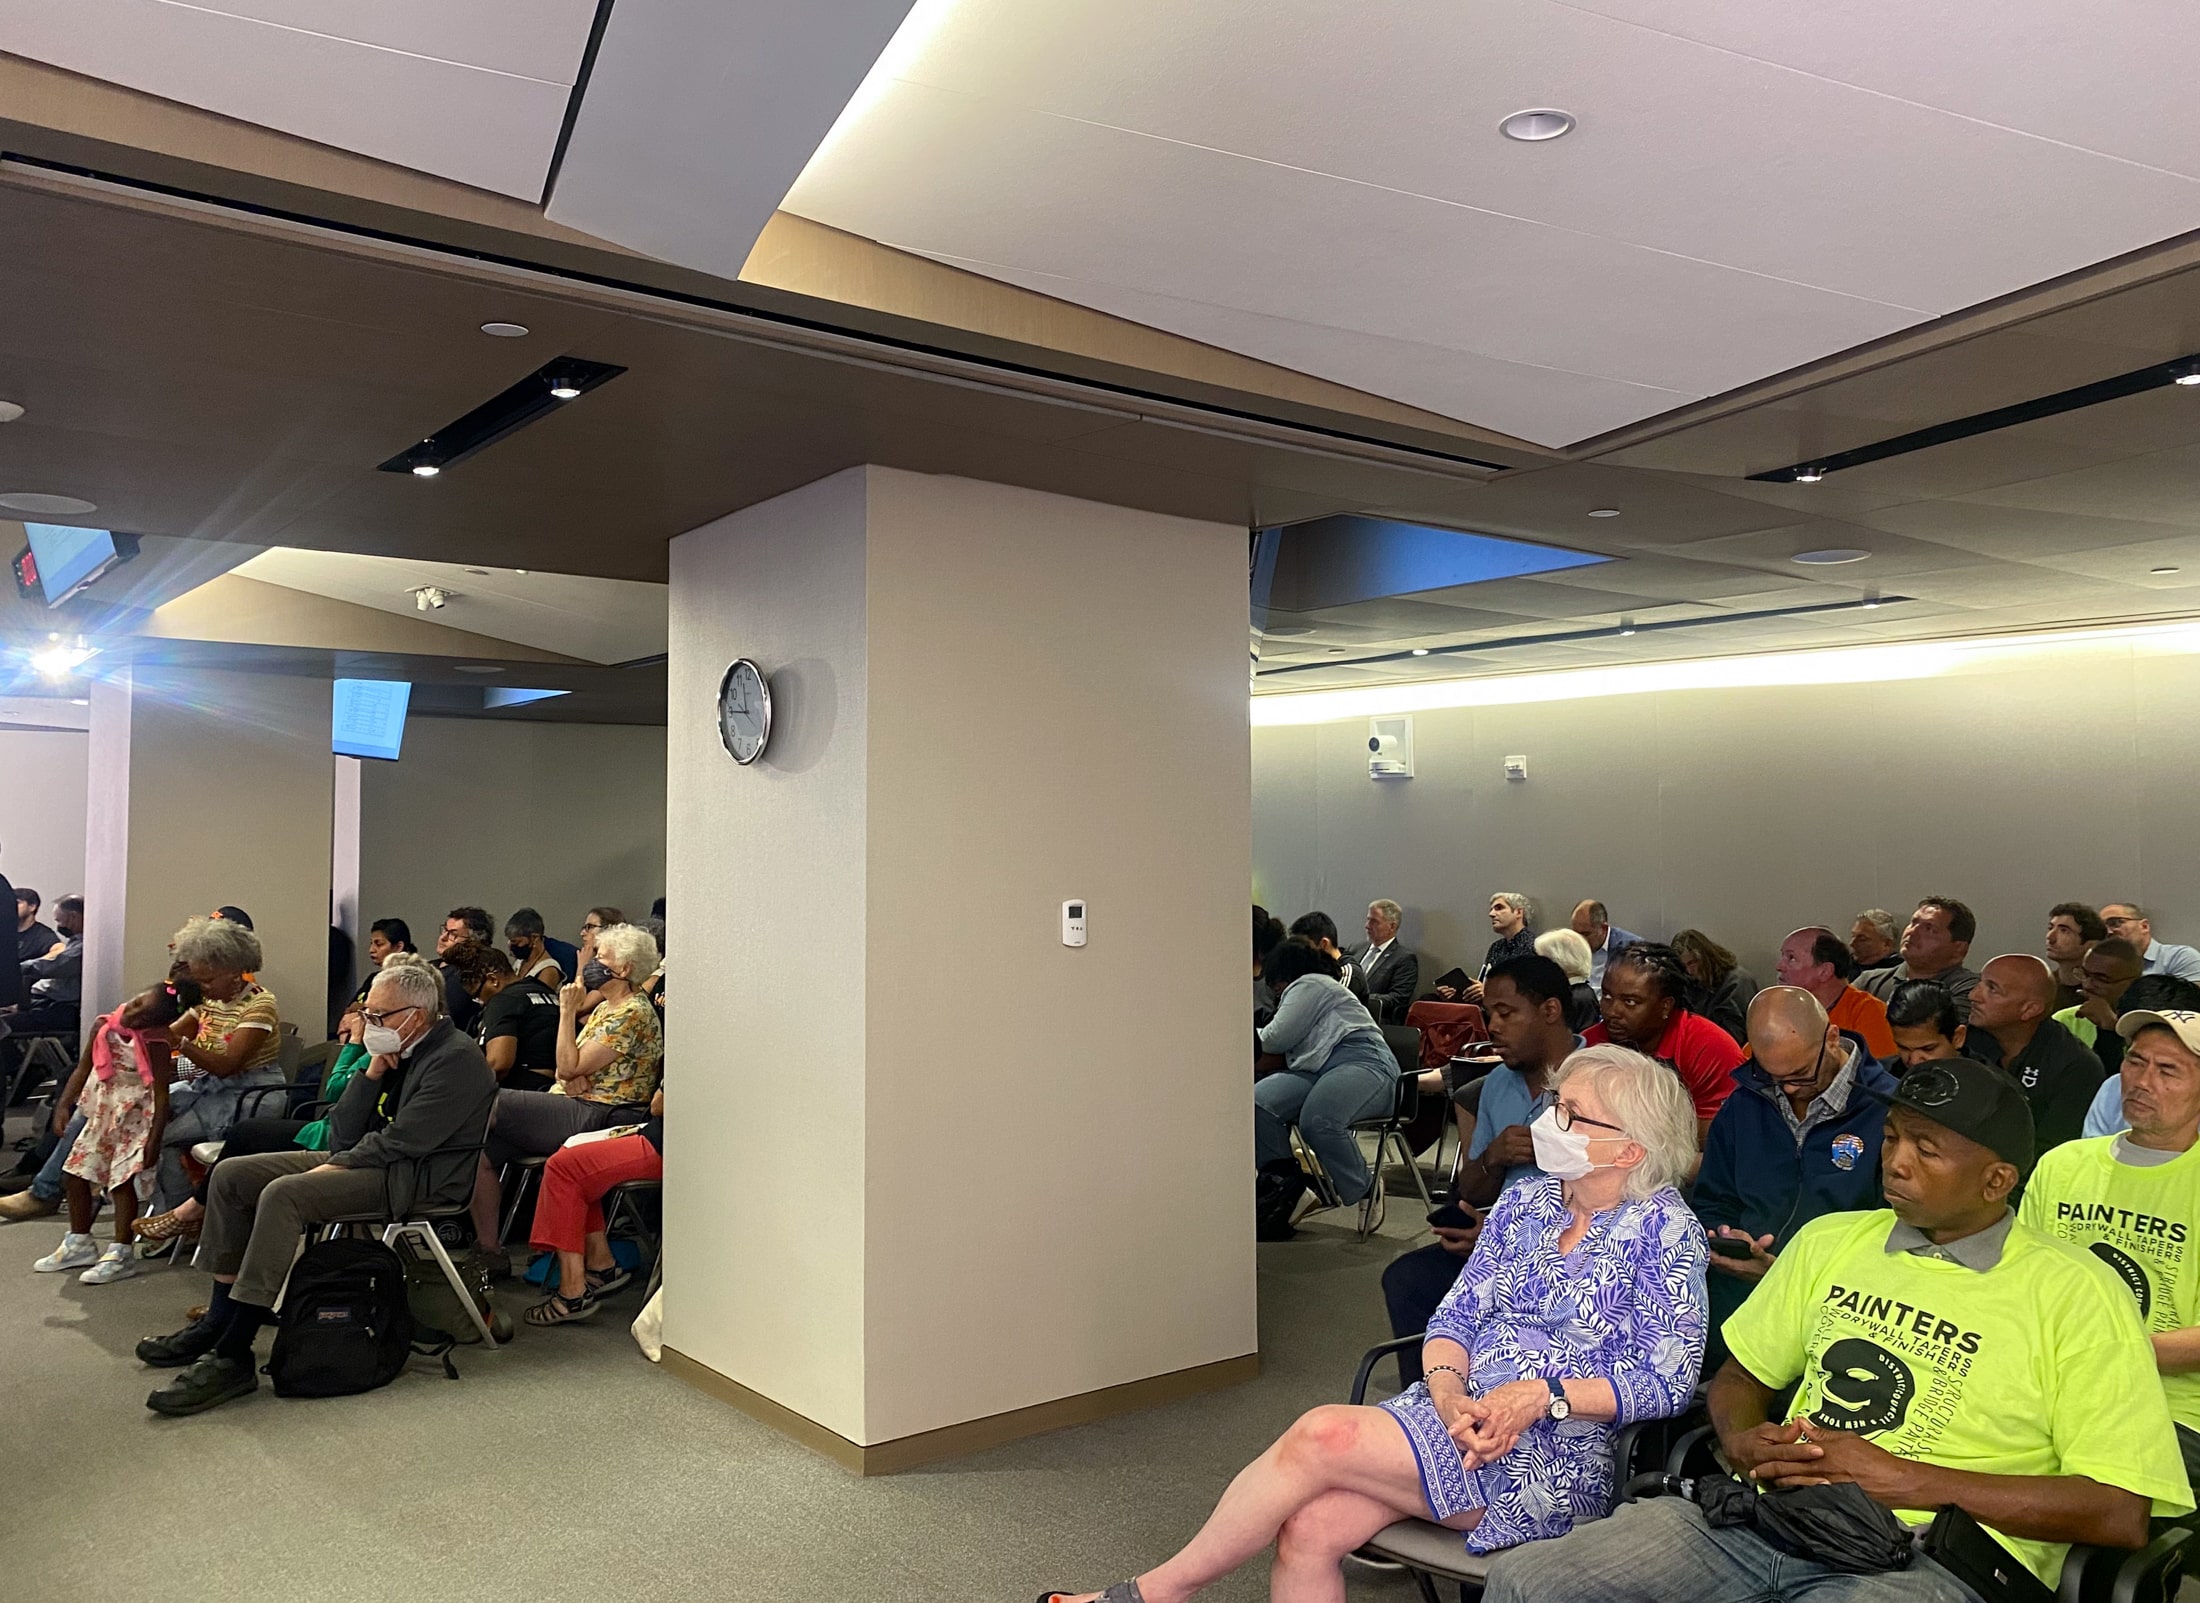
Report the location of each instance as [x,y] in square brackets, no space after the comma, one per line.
[443,1071]
[1912,1235]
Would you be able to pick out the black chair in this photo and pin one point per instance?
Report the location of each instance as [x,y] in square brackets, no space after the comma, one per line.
[1430,1552]
[624,1203]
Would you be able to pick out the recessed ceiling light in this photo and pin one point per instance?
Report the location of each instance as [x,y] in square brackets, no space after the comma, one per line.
[425,470]
[484,572]
[51,505]
[1288,631]
[1537,125]
[1604,512]
[564,387]
[1808,476]
[1627,626]
[505,331]
[10,411]
[2160,571]
[478,667]
[2187,379]
[1831,557]
[1336,651]
[1420,651]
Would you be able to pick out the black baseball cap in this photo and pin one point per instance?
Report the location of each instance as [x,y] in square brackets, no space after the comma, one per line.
[234,915]
[1973,1099]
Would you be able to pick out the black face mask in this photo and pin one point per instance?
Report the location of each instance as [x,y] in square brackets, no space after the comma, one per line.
[596,975]
[520,949]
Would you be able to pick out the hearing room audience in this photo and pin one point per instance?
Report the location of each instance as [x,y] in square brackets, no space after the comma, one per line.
[1385,974]
[2150,993]
[1942,1352]
[1510,914]
[569,1218]
[1645,1006]
[1581,1310]
[1813,959]
[2105,973]
[534,955]
[1727,986]
[1593,924]
[53,984]
[1926,1024]
[2072,927]
[1267,936]
[32,939]
[1571,953]
[1328,1067]
[2010,1029]
[518,1027]
[228,1045]
[1875,939]
[1798,1138]
[1934,944]
[2133,1199]
[2130,921]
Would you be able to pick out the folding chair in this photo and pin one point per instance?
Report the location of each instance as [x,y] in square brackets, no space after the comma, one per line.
[415,1223]
[624,1202]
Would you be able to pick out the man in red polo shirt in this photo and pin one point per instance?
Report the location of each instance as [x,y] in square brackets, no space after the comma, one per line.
[1645,1006]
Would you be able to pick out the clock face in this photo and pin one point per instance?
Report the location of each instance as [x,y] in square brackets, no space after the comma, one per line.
[744,711]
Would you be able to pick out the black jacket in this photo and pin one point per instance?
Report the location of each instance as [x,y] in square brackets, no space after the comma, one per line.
[2059,1074]
[11,974]
[1387,989]
[443,1102]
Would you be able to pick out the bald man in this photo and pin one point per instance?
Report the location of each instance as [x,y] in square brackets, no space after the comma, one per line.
[2011,1028]
[1798,1138]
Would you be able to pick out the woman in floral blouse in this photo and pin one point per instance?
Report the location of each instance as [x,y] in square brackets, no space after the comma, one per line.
[1581,1310]
[607,1067]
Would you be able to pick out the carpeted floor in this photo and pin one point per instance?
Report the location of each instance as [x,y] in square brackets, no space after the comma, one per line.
[567,1467]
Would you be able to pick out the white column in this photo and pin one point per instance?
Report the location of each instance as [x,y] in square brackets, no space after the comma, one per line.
[926,1165]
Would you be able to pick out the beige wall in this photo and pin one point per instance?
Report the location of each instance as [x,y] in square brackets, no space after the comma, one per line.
[2053,775]
[42,810]
[504,814]
[937,1157]
[211,788]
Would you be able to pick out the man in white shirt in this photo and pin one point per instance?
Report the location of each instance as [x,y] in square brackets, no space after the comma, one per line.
[2129,921]
[1594,925]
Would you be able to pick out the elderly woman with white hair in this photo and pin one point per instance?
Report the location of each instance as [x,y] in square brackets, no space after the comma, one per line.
[1581,1310]
[225,1047]
[607,1067]
[1571,952]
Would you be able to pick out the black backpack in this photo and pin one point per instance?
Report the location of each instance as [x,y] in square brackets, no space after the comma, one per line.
[346,1325]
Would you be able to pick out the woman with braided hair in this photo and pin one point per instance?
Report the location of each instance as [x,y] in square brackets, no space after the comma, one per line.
[1647,1003]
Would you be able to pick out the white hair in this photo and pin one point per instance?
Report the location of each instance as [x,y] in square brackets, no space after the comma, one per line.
[413,985]
[631,945]
[1647,1101]
[1569,950]
[221,945]
[1517,902]
[1390,910]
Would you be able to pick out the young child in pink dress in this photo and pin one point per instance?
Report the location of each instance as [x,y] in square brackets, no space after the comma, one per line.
[121,1088]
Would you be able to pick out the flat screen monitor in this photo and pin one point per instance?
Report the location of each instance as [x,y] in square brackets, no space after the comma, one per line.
[66,559]
[369,718]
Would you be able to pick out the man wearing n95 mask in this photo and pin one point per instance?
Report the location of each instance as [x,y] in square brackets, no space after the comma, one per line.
[426,1091]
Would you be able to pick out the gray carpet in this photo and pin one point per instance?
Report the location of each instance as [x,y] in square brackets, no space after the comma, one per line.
[568,1467]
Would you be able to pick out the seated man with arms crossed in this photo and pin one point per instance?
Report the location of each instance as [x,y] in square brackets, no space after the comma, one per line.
[1943,1353]
[2133,1200]
[259,1206]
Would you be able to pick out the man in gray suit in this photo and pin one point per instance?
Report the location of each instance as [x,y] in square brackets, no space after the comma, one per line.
[1384,974]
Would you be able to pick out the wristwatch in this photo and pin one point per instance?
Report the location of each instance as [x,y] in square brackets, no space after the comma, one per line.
[1560,1408]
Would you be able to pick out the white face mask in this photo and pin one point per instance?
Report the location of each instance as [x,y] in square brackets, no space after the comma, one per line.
[1562,1154]
[382,1041]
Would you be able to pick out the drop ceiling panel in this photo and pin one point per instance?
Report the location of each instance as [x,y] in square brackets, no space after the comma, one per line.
[2013,533]
[475,93]
[2159,488]
[1297,164]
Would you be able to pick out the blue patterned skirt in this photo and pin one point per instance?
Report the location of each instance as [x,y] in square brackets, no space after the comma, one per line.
[1557,1474]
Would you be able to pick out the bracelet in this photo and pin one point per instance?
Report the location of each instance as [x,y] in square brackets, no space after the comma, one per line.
[1446,1369]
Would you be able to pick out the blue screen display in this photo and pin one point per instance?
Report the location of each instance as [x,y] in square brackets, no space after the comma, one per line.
[68,558]
[369,718]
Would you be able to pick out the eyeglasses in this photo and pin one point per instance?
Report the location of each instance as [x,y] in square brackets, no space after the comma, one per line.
[592,926]
[1566,1118]
[1930,1086]
[372,1017]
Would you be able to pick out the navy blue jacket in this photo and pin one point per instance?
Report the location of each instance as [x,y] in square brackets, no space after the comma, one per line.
[1754,1177]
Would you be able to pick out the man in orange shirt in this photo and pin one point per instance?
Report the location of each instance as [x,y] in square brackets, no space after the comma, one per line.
[1816,960]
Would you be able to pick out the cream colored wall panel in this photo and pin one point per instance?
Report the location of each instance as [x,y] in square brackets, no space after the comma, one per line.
[42,810]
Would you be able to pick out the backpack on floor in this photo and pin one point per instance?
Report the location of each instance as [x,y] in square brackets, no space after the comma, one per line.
[346,1325]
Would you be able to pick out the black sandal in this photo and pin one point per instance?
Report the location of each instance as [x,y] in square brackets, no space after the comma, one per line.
[1120,1592]
[557,1309]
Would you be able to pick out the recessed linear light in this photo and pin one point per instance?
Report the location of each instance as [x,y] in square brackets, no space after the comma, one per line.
[1534,126]
[2158,572]
[10,411]
[545,390]
[1604,512]
[67,506]
[2187,379]
[1627,626]
[1420,651]
[505,331]
[1831,557]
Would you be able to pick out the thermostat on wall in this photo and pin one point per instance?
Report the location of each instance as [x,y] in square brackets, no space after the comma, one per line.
[1073,923]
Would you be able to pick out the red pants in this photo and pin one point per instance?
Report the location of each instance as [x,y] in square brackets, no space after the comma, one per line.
[570,1206]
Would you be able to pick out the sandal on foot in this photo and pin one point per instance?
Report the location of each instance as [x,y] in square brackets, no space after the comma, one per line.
[167,1227]
[557,1309]
[1120,1592]
[603,1282]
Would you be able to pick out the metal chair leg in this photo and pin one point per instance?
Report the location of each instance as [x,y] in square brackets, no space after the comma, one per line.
[1413,1167]
[422,1231]
[516,1201]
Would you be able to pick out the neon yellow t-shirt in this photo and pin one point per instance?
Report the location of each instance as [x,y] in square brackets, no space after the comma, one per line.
[2139,1219]
[2036,1366]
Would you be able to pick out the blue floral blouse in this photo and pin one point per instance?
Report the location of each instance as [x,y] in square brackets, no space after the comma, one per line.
[1626,1305]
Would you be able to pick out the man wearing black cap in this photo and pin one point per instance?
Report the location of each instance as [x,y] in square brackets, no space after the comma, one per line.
[1939,1331]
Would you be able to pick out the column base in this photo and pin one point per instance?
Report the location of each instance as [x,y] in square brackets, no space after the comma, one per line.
[972,1436]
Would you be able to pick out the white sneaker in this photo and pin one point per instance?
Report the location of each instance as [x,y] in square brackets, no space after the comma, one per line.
[118,1262]
[74,1253]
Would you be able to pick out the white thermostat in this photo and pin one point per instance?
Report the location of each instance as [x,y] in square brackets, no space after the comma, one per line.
[1073,923]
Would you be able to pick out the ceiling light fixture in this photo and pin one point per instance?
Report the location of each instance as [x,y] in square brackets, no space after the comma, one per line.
[430,597]
[2158,572]
[541,392]
[10,411]
[1627,626]
[505,331]
[1288,631]
[564,385]
[1808,475]
[1831,557]
[1420,651]
[2189,377]
[425,470]
[58,657]
[1604,512]
[1534,126]
[53,506]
